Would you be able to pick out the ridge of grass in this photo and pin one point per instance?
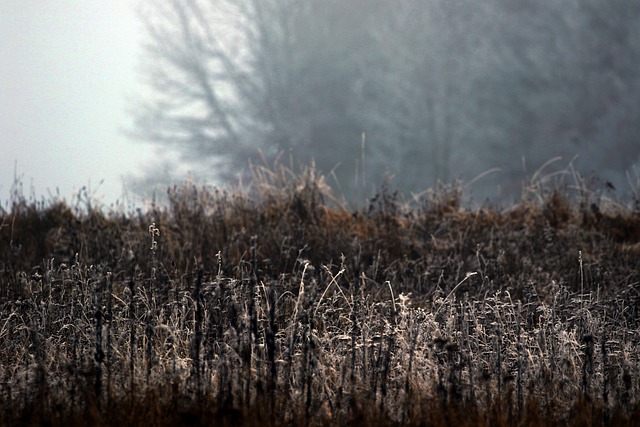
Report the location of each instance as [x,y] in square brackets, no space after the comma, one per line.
[276,304]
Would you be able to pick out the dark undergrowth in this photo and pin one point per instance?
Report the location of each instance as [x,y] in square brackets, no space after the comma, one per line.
[276,305]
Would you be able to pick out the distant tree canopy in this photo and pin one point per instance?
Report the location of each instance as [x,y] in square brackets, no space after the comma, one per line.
[442,89]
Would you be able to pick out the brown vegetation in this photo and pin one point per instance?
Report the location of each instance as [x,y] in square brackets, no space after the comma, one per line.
[277,305]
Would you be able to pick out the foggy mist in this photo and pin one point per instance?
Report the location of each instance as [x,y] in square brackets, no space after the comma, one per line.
[440,90]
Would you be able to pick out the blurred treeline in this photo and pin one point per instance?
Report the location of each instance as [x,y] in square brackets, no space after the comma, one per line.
[416,90]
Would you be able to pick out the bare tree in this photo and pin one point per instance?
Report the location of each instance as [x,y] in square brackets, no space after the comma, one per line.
[205,67]
[442,89]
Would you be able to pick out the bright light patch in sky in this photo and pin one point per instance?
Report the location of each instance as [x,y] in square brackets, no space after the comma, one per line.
[67,68]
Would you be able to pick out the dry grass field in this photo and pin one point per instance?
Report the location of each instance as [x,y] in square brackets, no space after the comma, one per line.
[276,305]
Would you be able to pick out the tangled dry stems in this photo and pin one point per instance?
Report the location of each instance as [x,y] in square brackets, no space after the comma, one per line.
[278,305]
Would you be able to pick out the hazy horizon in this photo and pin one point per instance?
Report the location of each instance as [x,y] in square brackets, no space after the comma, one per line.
[67,71]
[70,77]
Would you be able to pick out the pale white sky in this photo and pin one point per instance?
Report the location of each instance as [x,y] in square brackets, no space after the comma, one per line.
[67,68]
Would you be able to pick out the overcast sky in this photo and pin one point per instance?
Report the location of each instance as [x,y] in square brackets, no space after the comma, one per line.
[67,68]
